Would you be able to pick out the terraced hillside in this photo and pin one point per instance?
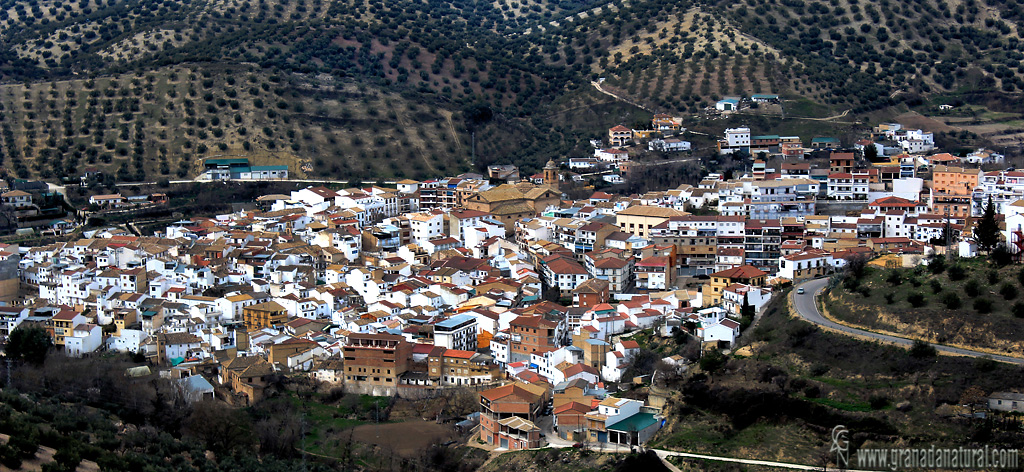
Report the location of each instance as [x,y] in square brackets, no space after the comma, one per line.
[370,89]
[161,124]
[362,89]
[827,56]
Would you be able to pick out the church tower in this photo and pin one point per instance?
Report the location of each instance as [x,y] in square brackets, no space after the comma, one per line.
[551,175]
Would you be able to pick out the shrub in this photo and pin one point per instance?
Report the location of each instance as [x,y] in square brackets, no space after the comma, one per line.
[916,300]
[985,364]
[972,288]
[890,298]
[1018,310]
[993,277]
[9,457]
[1001,256]
[922,350]
[938,264]
[878,402]
[956,273]
[983,305]
[1008,291]
[713,361]
[936,286]
[952,301]
[894,278]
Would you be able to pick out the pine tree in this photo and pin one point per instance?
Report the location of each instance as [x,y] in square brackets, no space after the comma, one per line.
[747,313]
[746,310]
[870,152]
[987,231]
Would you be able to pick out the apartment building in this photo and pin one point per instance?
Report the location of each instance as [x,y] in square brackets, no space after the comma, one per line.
[374,362]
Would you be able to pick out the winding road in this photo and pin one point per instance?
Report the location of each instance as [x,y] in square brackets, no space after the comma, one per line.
[808,310]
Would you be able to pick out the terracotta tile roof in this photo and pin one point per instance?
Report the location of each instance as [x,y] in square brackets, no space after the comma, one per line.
[741,272]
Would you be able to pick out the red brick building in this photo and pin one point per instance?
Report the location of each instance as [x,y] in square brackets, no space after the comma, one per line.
[531,334]
[507,416]
[590,293]
[374,362]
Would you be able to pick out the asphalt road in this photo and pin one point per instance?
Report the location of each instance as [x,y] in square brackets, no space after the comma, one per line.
[808,310]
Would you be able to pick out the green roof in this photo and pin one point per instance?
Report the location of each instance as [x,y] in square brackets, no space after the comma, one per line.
[764,95]
[767,136]
[259,168]
[637,422]
[825,140]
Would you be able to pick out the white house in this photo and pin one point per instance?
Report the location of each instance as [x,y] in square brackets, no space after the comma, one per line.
[17,199]
[1006,401]
[583,163]
[617,361]
[612,178]
[732,297]
[847,186]
[194,388]
[458,332]
[805,264]
[130,340]
[424,226]
[984,156]
[736,139]
[179,345]
[11,317]
[728,104]
[85,338]
[612,156]
[617,409]
[668,145]
[724,331]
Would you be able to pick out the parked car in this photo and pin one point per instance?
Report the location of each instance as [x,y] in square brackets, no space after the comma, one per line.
[800,291]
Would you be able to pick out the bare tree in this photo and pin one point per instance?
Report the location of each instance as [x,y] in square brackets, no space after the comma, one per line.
[972,397]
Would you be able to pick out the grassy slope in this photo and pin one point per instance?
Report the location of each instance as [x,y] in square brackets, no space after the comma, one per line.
[998,331]
[798,381]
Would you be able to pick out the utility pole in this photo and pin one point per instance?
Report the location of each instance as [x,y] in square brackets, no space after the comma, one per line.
[302,429]
[946,212]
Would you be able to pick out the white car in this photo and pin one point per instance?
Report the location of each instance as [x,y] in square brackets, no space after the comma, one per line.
[800,291]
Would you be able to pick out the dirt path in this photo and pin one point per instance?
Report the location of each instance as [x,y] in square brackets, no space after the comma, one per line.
[419,150]
[597,85]
[455,135]
[830,118]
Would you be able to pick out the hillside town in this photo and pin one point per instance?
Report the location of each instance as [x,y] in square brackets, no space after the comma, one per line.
[510,289]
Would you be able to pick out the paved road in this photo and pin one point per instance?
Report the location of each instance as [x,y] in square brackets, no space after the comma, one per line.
[808,310]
